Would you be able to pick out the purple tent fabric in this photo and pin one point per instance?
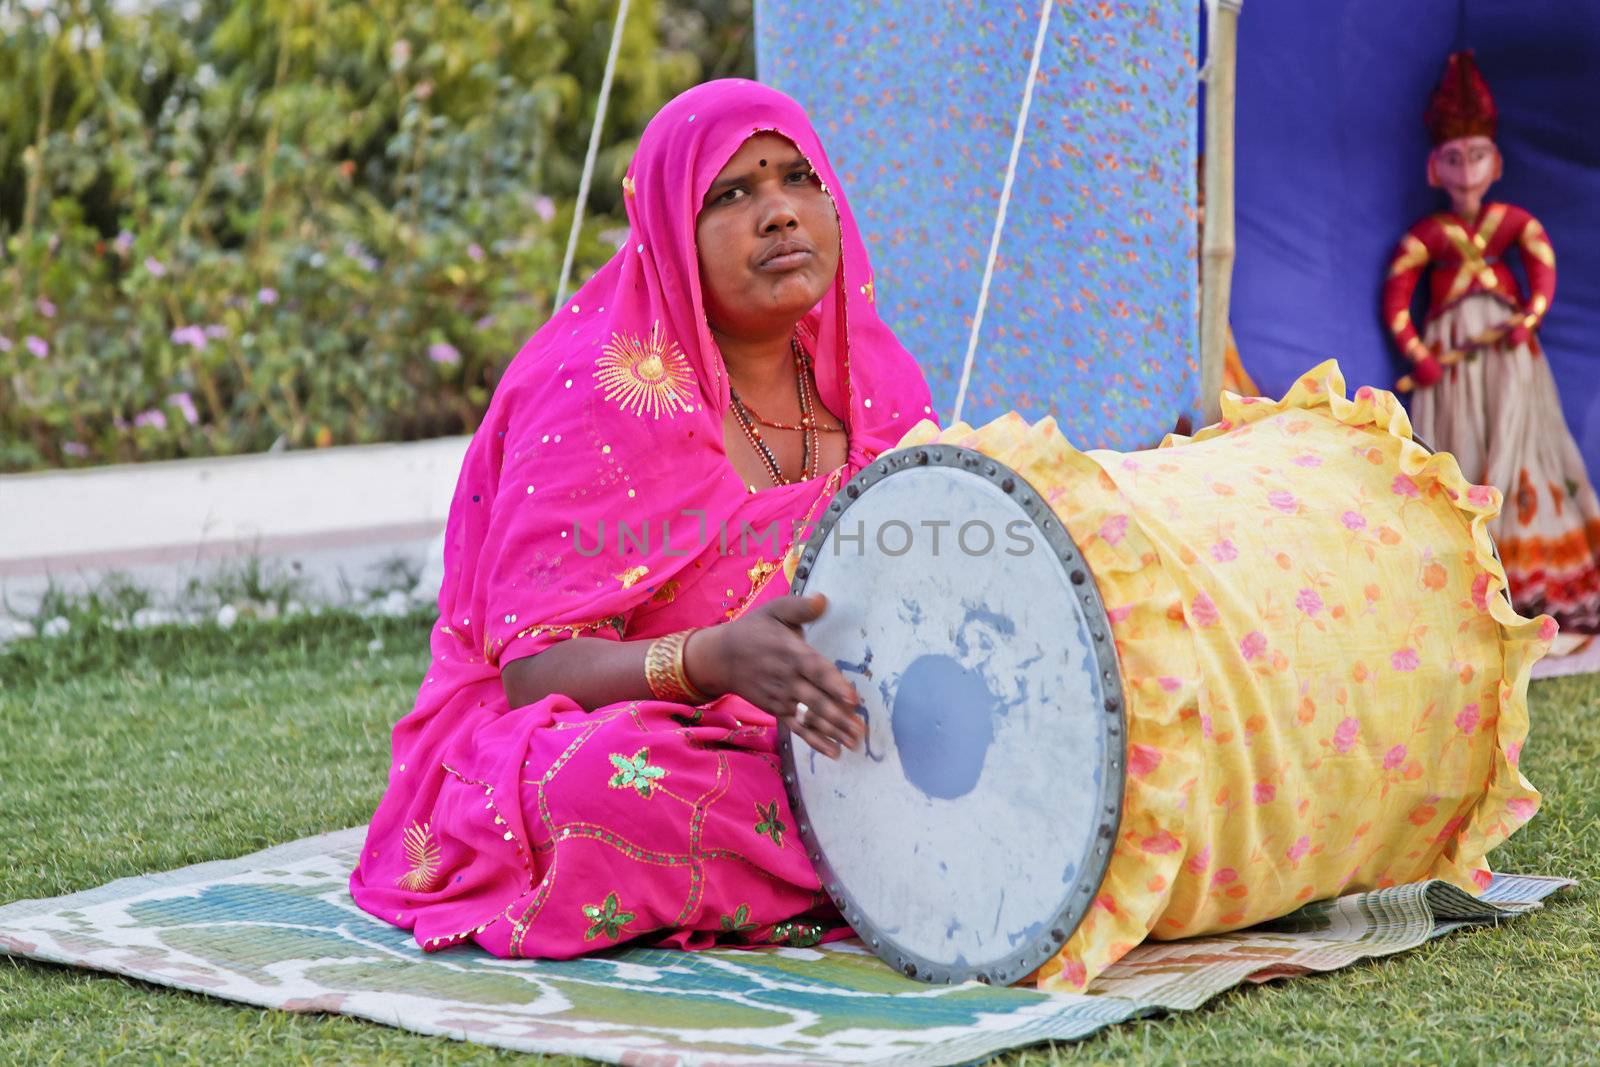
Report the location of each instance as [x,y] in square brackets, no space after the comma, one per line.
[1331,155]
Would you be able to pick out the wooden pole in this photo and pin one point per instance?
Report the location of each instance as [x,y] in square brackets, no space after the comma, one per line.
[1216,248]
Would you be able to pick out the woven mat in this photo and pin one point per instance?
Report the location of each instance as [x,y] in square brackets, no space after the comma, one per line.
[277,929]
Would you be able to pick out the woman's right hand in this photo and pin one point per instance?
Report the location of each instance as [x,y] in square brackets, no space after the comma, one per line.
[762,657]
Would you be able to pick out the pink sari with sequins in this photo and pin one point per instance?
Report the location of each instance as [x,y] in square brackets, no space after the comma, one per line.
[597,499]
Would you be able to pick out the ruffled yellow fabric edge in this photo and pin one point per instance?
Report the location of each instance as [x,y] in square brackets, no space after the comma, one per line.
[1509,800]
[1163,739]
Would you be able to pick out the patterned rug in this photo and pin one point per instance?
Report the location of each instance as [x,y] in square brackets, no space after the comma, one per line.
[277,929]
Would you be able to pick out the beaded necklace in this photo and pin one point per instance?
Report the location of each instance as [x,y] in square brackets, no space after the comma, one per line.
[810,436]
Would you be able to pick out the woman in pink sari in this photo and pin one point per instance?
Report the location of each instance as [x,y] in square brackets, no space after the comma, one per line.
[591,758]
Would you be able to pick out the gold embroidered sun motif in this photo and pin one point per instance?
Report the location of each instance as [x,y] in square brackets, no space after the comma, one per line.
[645,374]
[422,852]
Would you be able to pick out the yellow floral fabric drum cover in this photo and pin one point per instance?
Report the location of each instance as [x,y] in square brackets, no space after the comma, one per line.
[1326,687]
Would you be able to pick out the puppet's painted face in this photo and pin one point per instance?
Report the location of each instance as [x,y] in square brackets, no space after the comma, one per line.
[1464,168]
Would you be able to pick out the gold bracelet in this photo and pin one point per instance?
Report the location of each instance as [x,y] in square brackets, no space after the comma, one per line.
[664,671]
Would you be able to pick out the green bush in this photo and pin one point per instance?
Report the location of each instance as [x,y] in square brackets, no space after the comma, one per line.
[224,223]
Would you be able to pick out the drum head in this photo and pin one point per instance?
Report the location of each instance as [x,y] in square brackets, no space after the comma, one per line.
[968,838]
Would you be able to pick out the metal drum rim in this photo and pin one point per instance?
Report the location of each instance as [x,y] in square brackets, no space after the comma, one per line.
[1092,872]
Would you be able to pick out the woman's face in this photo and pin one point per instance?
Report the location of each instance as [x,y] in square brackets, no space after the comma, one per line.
[768,240]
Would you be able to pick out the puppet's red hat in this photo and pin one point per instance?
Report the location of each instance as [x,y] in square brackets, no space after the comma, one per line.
[1462,105]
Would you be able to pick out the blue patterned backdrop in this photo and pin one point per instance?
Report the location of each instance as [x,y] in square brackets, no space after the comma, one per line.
[1092,309]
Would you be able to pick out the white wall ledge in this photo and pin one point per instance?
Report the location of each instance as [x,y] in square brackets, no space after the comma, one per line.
[102,518]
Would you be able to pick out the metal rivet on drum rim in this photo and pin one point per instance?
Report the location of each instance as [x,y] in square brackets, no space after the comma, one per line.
[852,491]
[816,857]
[922,459]
[982,978]
[1105,831]
[991,470]
[1058,934]
[911,970]
[1112,704]
[790,779]
[802,572]
[873,942]
[1098,636]
[835,506]
[1008,484]
[1077,577]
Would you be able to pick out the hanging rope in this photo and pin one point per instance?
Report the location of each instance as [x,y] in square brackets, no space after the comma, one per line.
[588,159]
[1000,216]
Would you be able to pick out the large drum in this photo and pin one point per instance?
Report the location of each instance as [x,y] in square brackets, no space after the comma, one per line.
[1114,696]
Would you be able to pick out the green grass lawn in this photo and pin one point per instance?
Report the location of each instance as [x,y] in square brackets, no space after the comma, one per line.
[128,752]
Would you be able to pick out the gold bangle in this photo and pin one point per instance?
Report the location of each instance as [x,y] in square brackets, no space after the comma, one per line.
[664,671]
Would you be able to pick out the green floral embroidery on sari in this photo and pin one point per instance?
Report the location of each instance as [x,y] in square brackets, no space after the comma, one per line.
[636,772]
[770,824]
[739,922]
[606,919]
[798,935]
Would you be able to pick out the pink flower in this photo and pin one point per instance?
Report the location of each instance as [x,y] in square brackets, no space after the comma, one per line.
[36,345]
[1354,520]
[1142,759]
[1161,842]
[475,252]
[1199,861]
[1283,500]
[193,336]
[1405,660]
[75,448]
[1253,644]
[1298,850]
[1480,592]
[1344,735]
[267,295]
[544,207]
[484,323]
[5,343]
[1394,757]
[1467,721]
[185,404]
[155,266]
[1114,529]
[123,243]
[1403,486]
[1309,602]
[1263,792]
[1203,611]
[47,309]
[1480,496]
[444,352]
[1307,459]
[154,418]
[1224,551]
[1224,876]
